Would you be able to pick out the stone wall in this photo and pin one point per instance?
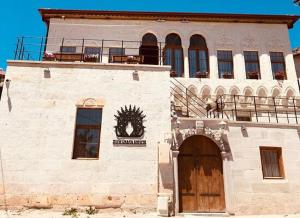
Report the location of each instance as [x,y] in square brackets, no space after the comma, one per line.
[37,131]
[246,191]
[251,194]
[237,37]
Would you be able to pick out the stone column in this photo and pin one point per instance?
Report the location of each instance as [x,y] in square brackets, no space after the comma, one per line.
[175,168]
[185,47]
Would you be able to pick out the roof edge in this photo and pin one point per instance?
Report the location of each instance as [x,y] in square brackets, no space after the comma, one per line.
[289,20]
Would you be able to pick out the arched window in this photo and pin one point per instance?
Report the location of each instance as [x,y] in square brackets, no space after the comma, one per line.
[173,53]
[198,57]
[149,49]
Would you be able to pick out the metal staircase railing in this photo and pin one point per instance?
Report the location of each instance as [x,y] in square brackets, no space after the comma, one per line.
[190,104]
[235,107]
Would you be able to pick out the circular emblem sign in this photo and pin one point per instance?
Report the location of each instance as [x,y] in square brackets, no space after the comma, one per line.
[130,122]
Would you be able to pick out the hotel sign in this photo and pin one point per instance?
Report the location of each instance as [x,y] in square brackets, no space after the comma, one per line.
[130,126]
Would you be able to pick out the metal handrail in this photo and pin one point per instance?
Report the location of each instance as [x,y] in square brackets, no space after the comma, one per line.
[187,105]
[188,96]
[34,48]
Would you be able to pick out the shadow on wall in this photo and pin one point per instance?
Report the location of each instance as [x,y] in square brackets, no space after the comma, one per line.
[7,84]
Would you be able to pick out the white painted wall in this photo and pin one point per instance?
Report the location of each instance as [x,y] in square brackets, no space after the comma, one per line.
[37,136]
[237,37]
[250,193]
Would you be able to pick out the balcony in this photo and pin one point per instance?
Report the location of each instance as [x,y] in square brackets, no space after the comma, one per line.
[89,50]
[262,109]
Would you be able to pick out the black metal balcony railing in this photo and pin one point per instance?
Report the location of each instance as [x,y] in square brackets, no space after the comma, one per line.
[88,50]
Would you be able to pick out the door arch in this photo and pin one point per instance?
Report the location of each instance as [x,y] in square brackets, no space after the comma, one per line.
[200,176]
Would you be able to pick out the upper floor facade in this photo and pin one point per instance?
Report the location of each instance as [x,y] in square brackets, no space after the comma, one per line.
[228,52]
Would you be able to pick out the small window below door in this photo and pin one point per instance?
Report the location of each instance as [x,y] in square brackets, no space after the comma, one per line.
[87,133]
[272,163]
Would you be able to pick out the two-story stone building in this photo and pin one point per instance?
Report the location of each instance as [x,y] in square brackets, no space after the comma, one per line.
[179,112]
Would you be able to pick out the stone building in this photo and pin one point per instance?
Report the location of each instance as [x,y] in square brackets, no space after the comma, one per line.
[174,112]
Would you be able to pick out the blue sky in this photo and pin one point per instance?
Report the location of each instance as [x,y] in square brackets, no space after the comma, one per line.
[21,17]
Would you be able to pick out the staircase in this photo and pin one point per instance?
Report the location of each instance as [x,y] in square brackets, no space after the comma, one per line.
[185,103]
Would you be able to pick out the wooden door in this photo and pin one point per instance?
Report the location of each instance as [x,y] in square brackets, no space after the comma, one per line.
[200,172]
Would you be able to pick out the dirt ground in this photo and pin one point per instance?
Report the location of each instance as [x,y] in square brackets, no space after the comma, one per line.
[109,214]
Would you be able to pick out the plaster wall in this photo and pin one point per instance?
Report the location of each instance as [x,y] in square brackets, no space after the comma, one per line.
[37,132]
[297,65]
[246,191]
[237,37]
[250,193]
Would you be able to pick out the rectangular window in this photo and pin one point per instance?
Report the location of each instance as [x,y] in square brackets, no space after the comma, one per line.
[225,64]
[252,64]
[278,65]
[87,133]
[272,163]
[68,49]
[198,63]
[116,55]
[92,54]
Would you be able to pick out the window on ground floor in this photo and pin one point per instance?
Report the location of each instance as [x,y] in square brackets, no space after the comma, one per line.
[87,133]
[272,163]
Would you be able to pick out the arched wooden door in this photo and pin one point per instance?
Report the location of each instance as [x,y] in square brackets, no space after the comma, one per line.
[201,185]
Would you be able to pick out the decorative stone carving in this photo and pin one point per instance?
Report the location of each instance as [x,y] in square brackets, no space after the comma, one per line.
[90,103]
[214,134]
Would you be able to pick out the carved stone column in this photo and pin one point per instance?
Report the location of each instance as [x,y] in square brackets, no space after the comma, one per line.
[175,154]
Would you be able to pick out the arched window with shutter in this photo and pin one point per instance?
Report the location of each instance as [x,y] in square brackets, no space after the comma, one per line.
[149,49]
[173,54]
[198,57]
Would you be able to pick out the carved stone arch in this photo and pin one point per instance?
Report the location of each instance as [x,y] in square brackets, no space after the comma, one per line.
[220,90]
[248,91]
[205,92]
[193,89]
[180,136]
[275,91]
[262,94]
[90,103]
[234,90]
[262,91]
[289,92]
[289,95]
[192,93]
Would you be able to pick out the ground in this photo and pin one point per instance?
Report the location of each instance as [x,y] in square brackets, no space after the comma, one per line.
[109,214]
